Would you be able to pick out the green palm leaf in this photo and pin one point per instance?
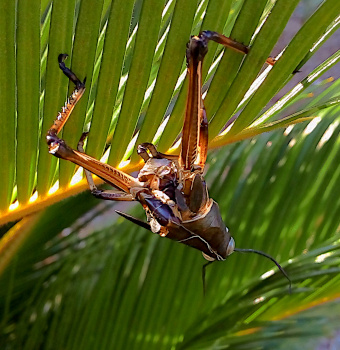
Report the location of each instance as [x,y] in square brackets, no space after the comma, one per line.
[73,275]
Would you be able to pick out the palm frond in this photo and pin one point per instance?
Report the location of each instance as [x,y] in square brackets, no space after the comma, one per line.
[135,92]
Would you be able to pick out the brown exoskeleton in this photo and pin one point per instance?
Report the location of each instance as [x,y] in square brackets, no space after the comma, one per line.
[170,188]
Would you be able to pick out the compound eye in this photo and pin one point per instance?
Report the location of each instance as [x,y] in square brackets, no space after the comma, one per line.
[231,246]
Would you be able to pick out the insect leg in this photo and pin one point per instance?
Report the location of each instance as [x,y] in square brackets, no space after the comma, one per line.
[109,174]
[161,211]
[196,50]
[59,148]
[202,140]
[76,95]
[147,146]
[195,128]
[102,194]
[143,153]
[232,44]
[225,41]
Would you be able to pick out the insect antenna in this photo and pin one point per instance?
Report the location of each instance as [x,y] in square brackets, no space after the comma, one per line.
[203,275]
[259,252]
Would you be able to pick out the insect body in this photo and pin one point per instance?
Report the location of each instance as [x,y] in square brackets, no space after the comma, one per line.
[170,188]
[179,207]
